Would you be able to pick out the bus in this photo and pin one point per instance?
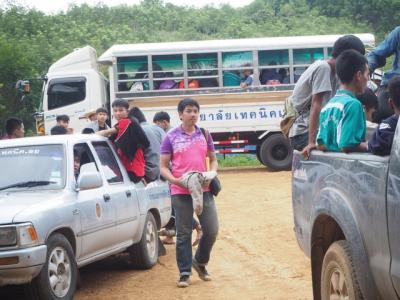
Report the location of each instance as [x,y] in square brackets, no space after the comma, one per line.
[156,76]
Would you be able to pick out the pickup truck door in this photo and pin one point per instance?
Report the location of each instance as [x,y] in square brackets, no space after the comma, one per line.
[97,213]
[121,192]
[393,211]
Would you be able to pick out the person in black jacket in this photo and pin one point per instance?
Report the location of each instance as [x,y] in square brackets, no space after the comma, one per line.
[382,139]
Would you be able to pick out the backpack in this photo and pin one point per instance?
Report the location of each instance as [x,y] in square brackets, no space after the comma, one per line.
[289,116]
[215,184]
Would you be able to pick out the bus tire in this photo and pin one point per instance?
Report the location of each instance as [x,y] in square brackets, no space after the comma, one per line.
[276,152]
[258,153]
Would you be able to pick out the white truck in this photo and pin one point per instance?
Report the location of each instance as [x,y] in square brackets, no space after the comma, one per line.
[156,76]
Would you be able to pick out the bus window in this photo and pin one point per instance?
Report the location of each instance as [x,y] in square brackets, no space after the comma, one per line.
[330,52]
[307,56]
[274,66]
[167,71]
[65,91]
[302,58]
[203,67]
[132,70]
[233,65]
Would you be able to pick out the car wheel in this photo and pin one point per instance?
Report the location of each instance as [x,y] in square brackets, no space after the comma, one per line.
[276,152]
[338,279]
[58,278]
[144,254]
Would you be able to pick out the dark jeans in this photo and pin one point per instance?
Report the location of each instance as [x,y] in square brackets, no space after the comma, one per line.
[183,206]
[171,222]
[299,142]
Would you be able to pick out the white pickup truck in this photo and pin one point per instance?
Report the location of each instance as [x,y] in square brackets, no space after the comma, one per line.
[67,201]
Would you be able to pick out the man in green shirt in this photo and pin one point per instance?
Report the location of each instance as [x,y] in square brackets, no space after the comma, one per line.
[342,121]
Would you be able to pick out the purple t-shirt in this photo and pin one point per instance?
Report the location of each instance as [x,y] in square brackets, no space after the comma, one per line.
[188,153]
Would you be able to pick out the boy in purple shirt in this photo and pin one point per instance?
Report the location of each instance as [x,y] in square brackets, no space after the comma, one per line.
[186,148]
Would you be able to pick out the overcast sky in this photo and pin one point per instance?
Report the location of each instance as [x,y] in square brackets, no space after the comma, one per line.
[54,6]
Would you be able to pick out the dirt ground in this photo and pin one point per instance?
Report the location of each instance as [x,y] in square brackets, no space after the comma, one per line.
[256,255]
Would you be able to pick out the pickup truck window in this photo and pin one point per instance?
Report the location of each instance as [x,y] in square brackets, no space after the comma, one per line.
[33,167]
[109,164]
[82,155]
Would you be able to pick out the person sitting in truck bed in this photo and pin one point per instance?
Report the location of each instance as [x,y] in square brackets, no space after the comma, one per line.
[382,139]
[369,102]
[342,124]
[130,140]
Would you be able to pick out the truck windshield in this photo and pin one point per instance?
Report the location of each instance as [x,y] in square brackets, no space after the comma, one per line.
[32,167]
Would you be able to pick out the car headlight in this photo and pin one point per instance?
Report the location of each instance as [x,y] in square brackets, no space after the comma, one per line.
[8,236]
[27,235]
[20,235]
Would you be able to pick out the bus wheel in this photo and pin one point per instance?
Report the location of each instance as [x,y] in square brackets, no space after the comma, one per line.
[276,153]
[258,153]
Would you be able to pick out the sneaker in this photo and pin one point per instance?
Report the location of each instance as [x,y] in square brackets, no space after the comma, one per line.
[183,281]
[201,270]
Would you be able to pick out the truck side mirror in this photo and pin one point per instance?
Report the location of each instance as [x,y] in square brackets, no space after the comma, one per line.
[89,177]
[23,86]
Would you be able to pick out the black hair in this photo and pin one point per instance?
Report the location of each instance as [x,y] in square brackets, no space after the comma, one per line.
[87,131]
[368,99]
[102,110]
[77,154]
[394,91]
[161,116]
[63,118]
[136,113]
[347,42]
[120,103]
[12,124]
[187,102]
[348,64]
[58,130]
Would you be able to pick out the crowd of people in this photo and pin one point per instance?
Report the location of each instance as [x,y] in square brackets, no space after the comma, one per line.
[335,111]
[336,108]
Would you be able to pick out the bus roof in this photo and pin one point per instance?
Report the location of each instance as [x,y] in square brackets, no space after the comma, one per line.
[270,43]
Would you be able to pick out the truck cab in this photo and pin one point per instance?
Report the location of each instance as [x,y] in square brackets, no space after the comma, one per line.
[73,86]
[346,211]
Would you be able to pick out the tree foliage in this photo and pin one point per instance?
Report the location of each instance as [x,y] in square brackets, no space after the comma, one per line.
[30,41]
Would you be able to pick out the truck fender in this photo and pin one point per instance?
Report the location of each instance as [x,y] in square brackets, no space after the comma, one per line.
[268,132]
[332,220]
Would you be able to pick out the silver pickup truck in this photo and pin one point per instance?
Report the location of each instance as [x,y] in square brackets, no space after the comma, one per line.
[347,219]
[67,201]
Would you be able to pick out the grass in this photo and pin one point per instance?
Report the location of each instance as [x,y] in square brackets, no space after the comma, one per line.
[237,160]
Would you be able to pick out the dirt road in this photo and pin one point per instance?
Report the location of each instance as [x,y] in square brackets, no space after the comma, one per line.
[256,255]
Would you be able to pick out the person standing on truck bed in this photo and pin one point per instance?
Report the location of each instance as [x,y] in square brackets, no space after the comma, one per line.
[151,153]
[313,89]
[186,148]
[130,140]
[100,122]
[382,139]
[342,124]
[376,59]
[63,120]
